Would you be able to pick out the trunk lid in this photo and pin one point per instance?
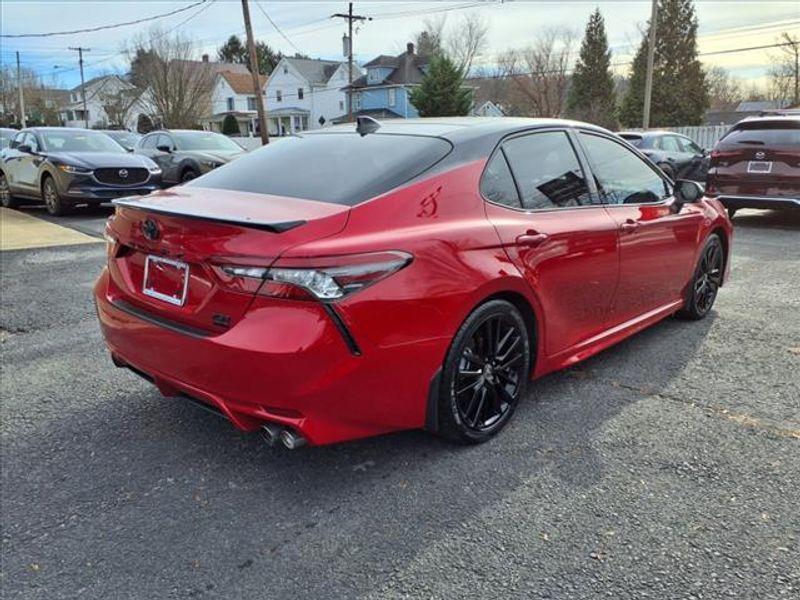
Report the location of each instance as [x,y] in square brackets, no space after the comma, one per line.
[205,228]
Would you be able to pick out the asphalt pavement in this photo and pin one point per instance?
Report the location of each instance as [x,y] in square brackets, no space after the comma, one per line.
[665,467]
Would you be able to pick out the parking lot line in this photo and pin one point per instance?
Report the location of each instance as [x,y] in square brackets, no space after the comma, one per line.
[19,231]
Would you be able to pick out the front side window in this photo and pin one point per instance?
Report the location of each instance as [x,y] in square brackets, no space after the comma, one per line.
[497,184]
[668,143]
[547,171]
[621,176]
[30,139]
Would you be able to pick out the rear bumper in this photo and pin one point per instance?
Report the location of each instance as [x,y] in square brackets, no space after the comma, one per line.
[284,362]
[760,202]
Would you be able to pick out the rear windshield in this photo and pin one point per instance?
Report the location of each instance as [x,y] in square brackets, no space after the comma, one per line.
[340,168]
[633,140]
[775,133]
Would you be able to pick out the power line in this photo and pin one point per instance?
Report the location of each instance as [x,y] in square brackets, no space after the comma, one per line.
[102,27]
[278,29]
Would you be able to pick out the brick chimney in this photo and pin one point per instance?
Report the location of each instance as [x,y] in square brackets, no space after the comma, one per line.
[410,47]
[205,57]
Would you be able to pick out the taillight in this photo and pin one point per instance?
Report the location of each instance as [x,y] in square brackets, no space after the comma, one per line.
[112,244]
[325,279]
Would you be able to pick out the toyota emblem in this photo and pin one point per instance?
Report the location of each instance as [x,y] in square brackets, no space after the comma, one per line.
[150,229]
[123,173]
[760,155]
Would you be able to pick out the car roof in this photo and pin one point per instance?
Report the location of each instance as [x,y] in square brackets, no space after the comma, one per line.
[794,119]
[459,129]
[650,134]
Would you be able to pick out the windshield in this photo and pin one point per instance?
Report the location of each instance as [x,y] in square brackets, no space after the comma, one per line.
[341,168]
[125,138]
[5,138]
[78,141]
[205,141]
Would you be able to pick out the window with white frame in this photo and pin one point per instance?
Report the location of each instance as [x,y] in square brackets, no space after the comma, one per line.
[341,105]
[392,96]
[251,103]
[299,93]
[278,96]
[230,102]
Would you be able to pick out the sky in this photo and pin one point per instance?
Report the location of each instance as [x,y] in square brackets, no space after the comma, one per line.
[308,28]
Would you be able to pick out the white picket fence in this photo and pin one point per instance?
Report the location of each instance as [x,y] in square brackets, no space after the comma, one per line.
[705,136]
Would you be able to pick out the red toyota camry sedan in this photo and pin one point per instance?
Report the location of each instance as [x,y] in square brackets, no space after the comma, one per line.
[365,279]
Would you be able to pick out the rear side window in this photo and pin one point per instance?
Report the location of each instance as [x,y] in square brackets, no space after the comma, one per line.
[765,134]
[497,184]
[633,140]
[621,176]
[547,171]
[340,168]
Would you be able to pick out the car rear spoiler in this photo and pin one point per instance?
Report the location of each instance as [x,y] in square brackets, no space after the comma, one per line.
[251,223]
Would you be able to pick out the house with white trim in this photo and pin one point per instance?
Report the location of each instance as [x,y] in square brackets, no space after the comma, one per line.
[110,102]
[306,93]
[232,94]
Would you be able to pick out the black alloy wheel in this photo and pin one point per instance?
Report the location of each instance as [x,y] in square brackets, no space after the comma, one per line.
[485,374]
[6,199]
[707,280]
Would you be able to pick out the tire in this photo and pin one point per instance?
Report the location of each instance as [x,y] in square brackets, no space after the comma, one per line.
[731,212]
[485,373]
[706,280]
[52,199]
[6,199]
[188,175]
[668,170]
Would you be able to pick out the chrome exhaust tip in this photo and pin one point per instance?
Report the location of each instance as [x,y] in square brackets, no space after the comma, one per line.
[270,432]
[292,440]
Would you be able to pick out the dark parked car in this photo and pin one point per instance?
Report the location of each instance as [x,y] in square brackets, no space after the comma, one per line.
[757,164]
[186,154]
[676,155]
[126,139]
[5,136]
[65,167]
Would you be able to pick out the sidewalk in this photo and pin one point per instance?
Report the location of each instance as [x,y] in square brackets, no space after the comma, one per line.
[19,231]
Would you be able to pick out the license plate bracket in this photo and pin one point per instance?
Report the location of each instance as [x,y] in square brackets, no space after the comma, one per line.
[759,166]
[165,279]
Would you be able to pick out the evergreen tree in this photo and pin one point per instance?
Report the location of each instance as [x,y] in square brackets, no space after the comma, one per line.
[441,93]
[591,95]
[230,125]
[234,51]
[680,92]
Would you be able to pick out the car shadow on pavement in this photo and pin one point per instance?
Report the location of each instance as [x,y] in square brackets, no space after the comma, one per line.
[145,481]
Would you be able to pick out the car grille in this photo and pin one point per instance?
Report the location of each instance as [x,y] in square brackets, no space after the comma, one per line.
[123,176]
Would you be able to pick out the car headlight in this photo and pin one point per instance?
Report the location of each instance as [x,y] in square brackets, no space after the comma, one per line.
[73,170]
[154,170]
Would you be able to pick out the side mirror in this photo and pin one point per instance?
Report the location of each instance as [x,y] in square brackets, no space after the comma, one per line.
[687,192]
[25,148]
[164,148]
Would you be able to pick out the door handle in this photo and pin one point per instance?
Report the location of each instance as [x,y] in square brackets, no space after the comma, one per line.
[629,226]
[531,238]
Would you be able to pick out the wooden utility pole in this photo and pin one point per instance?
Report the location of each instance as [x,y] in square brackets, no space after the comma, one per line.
[350,18]
[21,96]
[263,126]
[80,52]
[651,51]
